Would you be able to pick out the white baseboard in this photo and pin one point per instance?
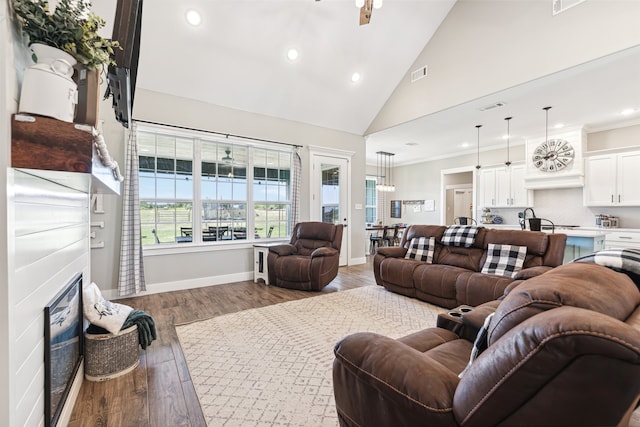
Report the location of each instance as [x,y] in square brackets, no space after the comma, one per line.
[200,282]
[356,261]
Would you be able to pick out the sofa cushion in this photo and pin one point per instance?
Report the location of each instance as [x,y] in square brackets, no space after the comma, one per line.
[421,249]
[504,260]
[421,231]
[581,285]
[460,235]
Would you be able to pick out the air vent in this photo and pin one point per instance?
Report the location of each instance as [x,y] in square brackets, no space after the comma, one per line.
[418,74]
[562,5]
[492,106]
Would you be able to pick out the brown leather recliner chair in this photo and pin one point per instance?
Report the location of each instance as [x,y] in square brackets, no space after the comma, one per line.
[563,349]
[310,261]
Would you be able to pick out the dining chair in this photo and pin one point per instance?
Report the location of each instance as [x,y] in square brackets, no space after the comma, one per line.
[391,239]
[375,239]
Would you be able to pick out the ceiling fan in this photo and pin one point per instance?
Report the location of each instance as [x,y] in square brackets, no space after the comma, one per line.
[365,11]
[227,158]
[366,7]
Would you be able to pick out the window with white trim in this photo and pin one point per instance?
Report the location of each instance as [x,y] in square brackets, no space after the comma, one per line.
[371,202]
[199,189]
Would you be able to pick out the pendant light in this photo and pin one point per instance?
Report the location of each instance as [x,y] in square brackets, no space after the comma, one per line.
[508,162]
[478,164]
[384,171]
[546,124]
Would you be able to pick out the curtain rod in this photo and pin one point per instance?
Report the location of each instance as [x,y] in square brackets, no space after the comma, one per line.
[217,133]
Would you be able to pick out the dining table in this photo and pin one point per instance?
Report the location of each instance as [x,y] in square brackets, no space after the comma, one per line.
[376,240]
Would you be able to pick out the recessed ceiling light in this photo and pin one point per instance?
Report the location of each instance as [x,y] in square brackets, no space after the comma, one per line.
[465,145]
[355,77]
[292,54]
[193,17]
[627,111]
[558,126]
[411,144]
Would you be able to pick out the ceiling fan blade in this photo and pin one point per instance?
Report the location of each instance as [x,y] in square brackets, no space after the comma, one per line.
[365,12]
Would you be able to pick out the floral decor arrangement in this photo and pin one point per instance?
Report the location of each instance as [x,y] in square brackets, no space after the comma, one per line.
[71,27]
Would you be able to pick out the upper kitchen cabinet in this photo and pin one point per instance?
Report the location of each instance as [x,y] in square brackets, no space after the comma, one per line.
[612,179]
[503,187]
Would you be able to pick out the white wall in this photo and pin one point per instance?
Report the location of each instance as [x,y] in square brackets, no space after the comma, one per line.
[484,46]
[165,270]
[7,106]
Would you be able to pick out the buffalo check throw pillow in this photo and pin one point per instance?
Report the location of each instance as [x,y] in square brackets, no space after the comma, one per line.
[460,235]
[504,260]
[421,249]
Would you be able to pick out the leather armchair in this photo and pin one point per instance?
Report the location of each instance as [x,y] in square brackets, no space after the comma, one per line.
[563,349]
[310,260]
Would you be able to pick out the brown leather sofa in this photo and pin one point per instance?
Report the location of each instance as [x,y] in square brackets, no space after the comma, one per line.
[563,350]
[310,260]
[454,278]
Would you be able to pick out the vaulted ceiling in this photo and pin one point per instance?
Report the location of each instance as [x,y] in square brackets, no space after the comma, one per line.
[237,58]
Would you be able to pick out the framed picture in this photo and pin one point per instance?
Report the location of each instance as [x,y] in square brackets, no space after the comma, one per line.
[63,349]
[396,208]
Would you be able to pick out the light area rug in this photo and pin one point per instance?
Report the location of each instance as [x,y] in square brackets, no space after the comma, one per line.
[272,366]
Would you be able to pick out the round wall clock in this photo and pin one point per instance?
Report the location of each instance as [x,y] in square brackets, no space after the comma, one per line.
[553,155]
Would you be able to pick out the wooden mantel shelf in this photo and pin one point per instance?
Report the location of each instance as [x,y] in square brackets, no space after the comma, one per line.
[43,143]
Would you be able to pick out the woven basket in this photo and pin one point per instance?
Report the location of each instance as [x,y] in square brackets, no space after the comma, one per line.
[108,356]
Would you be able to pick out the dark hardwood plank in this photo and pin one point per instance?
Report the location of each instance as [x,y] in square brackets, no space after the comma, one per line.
[159,392]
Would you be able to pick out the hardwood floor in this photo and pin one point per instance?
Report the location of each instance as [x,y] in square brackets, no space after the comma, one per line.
[159,392]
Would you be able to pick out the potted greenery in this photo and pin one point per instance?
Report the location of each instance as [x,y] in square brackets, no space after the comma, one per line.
[60,35]
[71,27]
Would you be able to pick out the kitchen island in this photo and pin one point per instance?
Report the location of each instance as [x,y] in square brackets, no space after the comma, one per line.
[581,241]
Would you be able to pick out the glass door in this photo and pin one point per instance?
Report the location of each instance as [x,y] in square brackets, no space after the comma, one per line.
[330,196]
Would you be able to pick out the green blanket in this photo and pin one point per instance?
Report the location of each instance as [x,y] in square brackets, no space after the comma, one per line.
[146,327]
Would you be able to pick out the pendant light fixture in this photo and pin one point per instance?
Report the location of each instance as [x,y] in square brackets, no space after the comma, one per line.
[384,171]
[478,164]
[508,162]
[546,124]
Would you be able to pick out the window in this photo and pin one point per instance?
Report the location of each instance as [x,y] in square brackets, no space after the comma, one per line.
[370,204]
[204,190]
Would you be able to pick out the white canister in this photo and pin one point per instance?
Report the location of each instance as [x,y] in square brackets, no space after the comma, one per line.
[48,91]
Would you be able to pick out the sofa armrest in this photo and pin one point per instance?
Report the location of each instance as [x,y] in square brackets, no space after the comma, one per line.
[384,382]
[528,273]
[283,250]
[325,251]
[475,318]
[392,251]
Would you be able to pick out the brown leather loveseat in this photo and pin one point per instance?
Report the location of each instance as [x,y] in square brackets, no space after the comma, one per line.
[563,349]
[454,277]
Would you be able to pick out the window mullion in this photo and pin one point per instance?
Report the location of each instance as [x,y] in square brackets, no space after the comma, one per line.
[197,199]
[251,214]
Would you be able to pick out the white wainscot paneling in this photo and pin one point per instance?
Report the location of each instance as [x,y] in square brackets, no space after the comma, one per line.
[48,244]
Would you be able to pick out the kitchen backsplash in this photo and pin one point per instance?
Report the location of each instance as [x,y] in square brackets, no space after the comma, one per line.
[565,207]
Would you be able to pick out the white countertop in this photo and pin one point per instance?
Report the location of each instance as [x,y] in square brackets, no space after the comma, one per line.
[571,232]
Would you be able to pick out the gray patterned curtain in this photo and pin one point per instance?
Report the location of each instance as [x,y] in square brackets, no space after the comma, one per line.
[295,189]
[131,278]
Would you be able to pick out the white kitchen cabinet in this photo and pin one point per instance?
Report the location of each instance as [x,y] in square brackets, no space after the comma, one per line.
[503,187]
[622,239]
[612,179]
